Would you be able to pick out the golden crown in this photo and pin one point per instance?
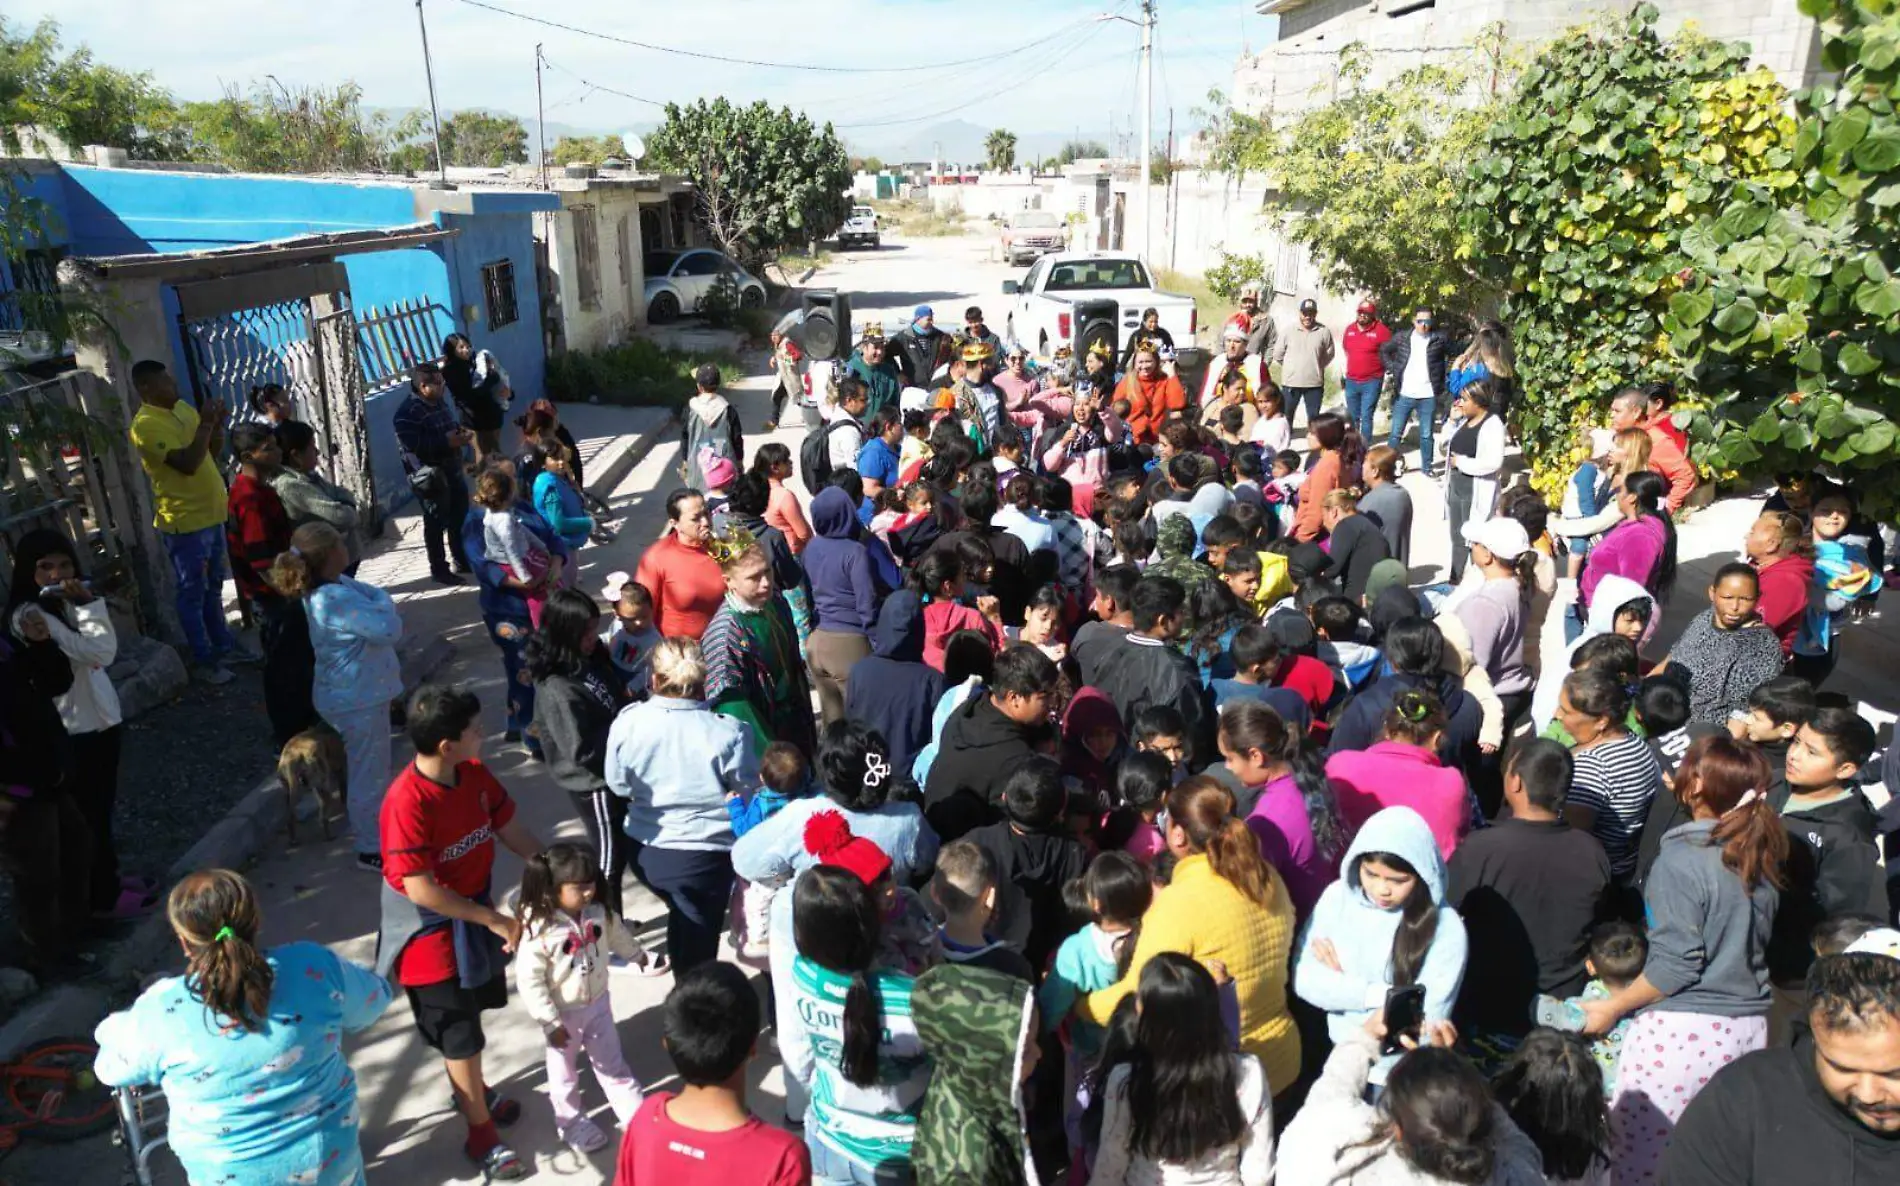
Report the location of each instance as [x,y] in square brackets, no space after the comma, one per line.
[730,546]
[1100,348]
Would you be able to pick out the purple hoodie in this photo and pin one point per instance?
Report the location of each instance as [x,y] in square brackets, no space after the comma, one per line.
[843,589]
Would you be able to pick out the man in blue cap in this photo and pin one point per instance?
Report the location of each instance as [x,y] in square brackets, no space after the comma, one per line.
[920,348]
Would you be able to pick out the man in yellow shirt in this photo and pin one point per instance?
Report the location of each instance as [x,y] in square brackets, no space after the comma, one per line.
[178,447]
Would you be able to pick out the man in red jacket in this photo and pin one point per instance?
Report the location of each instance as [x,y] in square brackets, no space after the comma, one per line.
[1365,371]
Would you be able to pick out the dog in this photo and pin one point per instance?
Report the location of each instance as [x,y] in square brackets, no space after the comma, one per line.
[314,762]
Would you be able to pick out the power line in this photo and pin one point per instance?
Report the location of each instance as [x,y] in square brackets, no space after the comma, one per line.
[594,86]
[860,97]
[940,112]
[710,57]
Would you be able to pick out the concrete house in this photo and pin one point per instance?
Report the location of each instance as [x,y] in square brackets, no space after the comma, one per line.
[1300,69]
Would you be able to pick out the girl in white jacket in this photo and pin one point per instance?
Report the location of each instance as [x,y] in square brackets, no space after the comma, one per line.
[47,590]
[561,974]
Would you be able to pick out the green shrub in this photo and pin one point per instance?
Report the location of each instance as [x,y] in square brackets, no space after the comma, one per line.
[636,373]
[1227,277]
[721,302]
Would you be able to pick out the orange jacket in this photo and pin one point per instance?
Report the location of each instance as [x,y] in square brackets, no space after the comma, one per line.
[1667,459]
[1150,403]
[1320,481]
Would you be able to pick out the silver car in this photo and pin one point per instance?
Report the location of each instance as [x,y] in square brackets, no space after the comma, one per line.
[678,281]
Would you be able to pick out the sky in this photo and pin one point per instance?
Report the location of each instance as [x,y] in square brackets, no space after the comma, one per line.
[1083,75]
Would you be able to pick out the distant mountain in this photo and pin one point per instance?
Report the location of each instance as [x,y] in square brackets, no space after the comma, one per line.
[959,141]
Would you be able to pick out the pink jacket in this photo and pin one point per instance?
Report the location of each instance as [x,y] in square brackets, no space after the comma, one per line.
[1393,774]
[1090,469]
[1630,549]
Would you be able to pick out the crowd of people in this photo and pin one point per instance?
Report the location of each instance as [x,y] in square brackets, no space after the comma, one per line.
[1099,790]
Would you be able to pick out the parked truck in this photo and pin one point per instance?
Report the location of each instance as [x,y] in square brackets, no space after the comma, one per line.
[1080,298]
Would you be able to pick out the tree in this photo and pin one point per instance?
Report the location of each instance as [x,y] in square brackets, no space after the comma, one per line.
[1371,185]
[1236,141]
[1076,150]
[482,139]
[275,129]
[764,180]
[1000,147]
[78,100]
[1789,318]
[1613,145]
[585,150]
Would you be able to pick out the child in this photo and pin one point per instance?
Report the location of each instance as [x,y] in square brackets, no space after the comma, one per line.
[1553,1091]
[632,637]
[964,890]
[1240,571]
[1114,608]
[940,579]
[1035,857]
[1271,431]
[1219,536]
[1843,575]
[783,776]
[1341,641]
[505,536]
[1233,423]
[1256,659]
[561,973]
[440,820]
[1387,503]
[721,472]
[915,449]
[1777,708]
[1617,953]
[1161,729]
[907,935]
[1588,490]
[1042,623]
[1093,745]
[1662,708]
[1118,890]
[978,1027]
[1142,784]
[354,629]
[705,1135]
[1201,1110]
[1283,492]
[1833,865]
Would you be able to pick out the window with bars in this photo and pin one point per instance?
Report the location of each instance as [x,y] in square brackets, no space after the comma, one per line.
[498,289]
[587,257]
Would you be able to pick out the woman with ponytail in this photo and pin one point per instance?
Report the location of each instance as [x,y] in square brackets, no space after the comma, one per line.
[1225,903]
[354,629]
[1704,992]
[1403,769]
[869,1072]
[1383,925]
[1295,814]
[1641,547]
[247,1045]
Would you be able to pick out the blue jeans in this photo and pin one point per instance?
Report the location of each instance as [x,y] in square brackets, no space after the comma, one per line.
[1403,408]
[199,567]
[830,1169]
[1310,396]
[1362,400]
[508,634]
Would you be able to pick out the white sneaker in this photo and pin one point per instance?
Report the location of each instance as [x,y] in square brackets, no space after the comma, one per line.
[211,673]
[584,1136]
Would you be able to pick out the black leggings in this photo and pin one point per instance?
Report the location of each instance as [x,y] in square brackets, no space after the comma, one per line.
[95,790]
[604,814]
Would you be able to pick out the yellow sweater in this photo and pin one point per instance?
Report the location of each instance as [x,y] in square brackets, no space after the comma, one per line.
[1201,915]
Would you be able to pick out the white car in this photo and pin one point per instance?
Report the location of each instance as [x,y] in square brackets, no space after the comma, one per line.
[678,281]
[1080,297]
[861,229]
[1029,234]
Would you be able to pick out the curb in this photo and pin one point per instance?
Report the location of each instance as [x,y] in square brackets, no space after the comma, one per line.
[231,843]
[617,460]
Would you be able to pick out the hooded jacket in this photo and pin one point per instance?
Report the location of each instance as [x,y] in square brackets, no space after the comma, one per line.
[1613,593]
[354,629]
[709,423]
[974,1024]
[892,690]
[1362,933]
[83,634]
[1090,711]
[1833,868]
[1765,1120]
[883,383]
[1175,538]
[843,587]
[979,749]
[1362,721]
[1708,937]
[1031,869]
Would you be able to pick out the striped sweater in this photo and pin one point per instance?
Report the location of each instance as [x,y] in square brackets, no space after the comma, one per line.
[870,1125]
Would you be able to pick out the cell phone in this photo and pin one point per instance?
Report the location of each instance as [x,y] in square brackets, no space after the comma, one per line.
[1404,1016]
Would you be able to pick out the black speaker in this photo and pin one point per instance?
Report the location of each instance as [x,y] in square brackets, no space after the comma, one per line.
[826,330]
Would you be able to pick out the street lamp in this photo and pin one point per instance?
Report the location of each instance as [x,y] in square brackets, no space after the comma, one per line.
[1147,27]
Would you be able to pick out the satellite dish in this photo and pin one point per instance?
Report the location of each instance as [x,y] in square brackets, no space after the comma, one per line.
[636,147]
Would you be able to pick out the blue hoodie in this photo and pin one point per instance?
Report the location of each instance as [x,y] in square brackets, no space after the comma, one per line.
[892,689]
[354,629]
[1362,933]
[843,589]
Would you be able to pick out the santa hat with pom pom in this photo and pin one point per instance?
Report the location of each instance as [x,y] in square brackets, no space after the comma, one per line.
[828,837]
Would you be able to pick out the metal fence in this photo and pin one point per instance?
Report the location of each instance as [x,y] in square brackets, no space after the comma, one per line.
[230,353]
[390,341]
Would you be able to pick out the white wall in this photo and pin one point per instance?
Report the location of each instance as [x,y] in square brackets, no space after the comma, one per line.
[622,307]
[999,195]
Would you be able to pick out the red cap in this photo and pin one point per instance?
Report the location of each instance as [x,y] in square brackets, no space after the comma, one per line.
[828,837]
[1368,306]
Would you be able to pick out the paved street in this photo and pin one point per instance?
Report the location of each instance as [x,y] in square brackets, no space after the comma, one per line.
[410,1134]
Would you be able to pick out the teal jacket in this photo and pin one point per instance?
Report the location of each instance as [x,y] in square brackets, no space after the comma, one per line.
[560,504]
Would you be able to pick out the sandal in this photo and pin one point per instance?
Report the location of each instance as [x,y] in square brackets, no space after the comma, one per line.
[502,1110]
[131,904]
[500,1164]
[655,964]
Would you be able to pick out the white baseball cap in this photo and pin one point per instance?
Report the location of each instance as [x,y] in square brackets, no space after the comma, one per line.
[1503,537]
[1233,333]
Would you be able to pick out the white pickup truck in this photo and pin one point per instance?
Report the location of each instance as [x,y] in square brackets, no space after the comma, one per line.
[1082,297]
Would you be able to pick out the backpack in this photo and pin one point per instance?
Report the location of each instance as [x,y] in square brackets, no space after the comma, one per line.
[814,454]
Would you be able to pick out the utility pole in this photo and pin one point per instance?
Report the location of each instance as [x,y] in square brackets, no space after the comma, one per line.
[1147,121]
[540,116]
[435,117]
[1174,195]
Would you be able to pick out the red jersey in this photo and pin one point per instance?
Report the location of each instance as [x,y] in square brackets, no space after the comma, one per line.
[656,1150]
[256,532]
[446,831]
[1362,350]
[1310,678]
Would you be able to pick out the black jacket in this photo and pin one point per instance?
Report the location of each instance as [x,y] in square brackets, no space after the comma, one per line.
[787,572]
[36,756]
[980,749]
[1397,352]
[1833,869]
[1362,722]
[1137,671]
[919,355]
[892,690]
[1764,1120]
[1031,869]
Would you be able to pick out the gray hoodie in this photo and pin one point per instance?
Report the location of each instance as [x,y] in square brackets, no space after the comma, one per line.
[1708,936]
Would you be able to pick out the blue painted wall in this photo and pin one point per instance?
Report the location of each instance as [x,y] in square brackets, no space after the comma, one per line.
[124,211]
